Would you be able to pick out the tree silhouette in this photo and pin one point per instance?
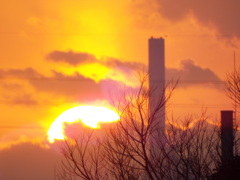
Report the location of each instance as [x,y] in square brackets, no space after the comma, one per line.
[233,86]
[189,150]
[230,169]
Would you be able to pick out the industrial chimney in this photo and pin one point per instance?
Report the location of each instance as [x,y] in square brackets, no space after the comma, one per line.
[157,84]
[227,135]
[230,167]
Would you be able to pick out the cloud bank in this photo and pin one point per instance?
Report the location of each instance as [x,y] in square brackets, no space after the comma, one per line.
[220,14]
[80,58]
[190,74]
[27,161]
[79,88]
[73,87]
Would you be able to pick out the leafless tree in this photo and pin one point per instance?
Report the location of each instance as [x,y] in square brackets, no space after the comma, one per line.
[126,152]
[233,92]
[193,150]
[230,169]
[129,138]
[233,86]
[83,157]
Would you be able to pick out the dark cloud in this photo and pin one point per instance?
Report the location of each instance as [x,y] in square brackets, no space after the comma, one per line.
[25,99]
[73,86]
[78,58]
[126,67]
[81,88]
[222,14]
[21,99]
[10,86]
[71,57]
[190,74]
[15,92]
[19,73]
[27,161]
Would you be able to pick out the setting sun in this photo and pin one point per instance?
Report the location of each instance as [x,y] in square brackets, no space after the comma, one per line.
[90,116]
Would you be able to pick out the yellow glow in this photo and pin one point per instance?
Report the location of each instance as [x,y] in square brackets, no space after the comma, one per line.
[101,71]
[88,115]
[96,28]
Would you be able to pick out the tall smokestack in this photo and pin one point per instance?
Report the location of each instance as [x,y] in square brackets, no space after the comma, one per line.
[157,81]
[227,135]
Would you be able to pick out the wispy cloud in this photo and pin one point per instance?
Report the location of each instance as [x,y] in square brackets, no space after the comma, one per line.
[71,57]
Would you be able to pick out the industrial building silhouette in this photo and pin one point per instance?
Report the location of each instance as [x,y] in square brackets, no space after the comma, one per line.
[156,50]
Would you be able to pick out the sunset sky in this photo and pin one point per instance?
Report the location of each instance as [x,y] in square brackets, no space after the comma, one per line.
[59,54]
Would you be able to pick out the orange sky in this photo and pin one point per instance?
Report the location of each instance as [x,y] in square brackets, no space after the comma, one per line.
[58,54]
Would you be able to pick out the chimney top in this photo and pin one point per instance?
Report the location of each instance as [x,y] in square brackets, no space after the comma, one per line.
[155,38]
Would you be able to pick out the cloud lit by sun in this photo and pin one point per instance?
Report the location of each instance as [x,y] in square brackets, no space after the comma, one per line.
[90,116]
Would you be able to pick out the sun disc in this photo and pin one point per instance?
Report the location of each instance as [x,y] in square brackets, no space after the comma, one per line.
[89,115]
